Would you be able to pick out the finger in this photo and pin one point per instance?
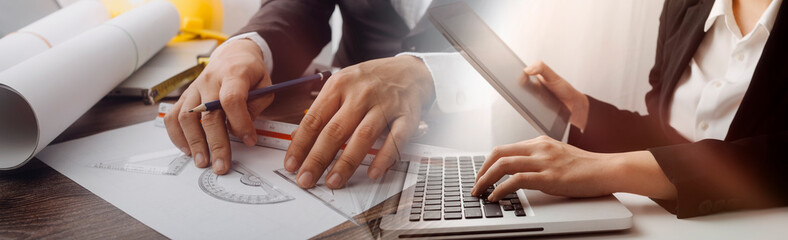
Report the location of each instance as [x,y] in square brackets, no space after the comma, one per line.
[540,68]
[174,130]
[321,111]
[555,83]
[528,180]
[192,130]
[215,127]
[357,148]
[257,105]
[401,130]
[505,165]
[331,138]
[233,96]
[514,149]
[294,132]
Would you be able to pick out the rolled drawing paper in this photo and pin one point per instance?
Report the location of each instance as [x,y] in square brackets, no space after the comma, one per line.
[50,31]
[41,97]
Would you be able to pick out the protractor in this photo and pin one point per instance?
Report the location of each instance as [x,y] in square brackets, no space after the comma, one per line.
[241,185]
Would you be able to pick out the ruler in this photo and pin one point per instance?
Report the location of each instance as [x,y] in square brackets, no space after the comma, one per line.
[165,162]
[360,193]
[273,134]
[276,135]
[254,188]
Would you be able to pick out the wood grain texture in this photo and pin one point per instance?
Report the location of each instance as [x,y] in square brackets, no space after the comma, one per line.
[37,202]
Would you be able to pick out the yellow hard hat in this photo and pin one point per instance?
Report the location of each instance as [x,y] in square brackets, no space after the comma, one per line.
[199,18]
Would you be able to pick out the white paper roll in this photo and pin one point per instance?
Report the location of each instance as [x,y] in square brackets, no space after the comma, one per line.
[50,31]
[41,97]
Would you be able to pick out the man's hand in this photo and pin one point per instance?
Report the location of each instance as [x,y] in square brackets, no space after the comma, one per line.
[575,101]
[237,68]
[359,103]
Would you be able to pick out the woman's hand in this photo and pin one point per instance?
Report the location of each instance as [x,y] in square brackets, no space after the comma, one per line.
[575,101]
[558,168]
[548,165]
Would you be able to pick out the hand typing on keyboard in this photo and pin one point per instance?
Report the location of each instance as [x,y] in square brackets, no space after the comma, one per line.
[561,169]
[547,165]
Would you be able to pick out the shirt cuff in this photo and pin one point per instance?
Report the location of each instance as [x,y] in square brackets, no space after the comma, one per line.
[255,37]
[458,87]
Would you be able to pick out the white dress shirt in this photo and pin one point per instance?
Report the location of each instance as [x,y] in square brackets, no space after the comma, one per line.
[458,86]
[712,87]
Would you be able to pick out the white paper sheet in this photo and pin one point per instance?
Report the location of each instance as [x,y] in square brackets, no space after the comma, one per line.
[174,205]
[50,31]
[42,96]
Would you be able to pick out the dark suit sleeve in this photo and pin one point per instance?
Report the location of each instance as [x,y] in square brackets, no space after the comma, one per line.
[611,130]
[715,176]
[295,31]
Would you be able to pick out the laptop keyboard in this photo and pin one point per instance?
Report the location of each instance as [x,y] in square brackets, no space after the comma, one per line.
[443,191]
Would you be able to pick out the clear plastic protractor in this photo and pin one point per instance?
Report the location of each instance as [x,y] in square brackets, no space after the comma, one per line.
[242,185]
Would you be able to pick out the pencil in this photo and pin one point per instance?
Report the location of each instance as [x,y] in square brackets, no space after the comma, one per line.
[213,105]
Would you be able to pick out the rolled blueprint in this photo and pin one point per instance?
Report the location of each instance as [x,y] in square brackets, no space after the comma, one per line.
[50,31]
[41,97]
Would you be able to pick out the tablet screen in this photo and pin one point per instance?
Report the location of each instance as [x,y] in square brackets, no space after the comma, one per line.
[500,66]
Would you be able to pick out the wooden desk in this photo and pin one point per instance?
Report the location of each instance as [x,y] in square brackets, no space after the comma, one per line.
[38,202]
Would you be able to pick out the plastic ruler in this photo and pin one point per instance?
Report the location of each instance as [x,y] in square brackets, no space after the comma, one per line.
[273,134]
[165,162]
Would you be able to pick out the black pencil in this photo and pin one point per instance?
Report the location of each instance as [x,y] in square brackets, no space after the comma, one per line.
[213,105]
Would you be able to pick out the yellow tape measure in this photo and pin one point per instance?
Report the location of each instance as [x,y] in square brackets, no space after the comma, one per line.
[163,89]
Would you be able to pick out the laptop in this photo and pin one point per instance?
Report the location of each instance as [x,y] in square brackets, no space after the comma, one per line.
[436,201]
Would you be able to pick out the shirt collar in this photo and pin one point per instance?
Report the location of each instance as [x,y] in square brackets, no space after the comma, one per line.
[724,9]
[770,15]
[717,10]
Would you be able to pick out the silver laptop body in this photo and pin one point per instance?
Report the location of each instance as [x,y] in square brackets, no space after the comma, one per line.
[447,217]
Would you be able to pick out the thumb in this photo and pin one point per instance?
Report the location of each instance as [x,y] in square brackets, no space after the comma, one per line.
[540,68]
[562,89]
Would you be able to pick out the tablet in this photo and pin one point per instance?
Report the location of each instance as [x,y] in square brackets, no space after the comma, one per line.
[501,67]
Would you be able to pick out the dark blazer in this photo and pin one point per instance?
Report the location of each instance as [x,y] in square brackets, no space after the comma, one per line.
[296,31]
[749,169]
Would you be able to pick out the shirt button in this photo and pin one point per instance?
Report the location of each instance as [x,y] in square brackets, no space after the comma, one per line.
[717,83]
[704,126]
[739,57]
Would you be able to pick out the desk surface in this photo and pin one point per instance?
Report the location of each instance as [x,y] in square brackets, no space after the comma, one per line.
[38,202]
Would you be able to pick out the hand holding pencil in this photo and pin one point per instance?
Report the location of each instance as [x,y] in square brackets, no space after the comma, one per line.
[235,69]
[213,105]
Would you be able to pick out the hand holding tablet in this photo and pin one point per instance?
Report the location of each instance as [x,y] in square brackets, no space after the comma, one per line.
[501,67]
